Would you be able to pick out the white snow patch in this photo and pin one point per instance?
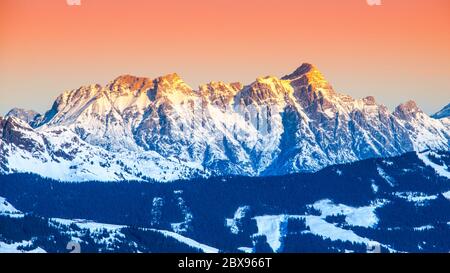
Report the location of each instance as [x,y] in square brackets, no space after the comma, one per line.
[374,187]
[246,249]
[422,228]
[12,248]
[447,195]
[319,226]
[417,197]
[272,226]
[388,163]
[329,113]
[238,215]
[188,241]
[385,176]
[86,224]
[361,216]
[7,209]
[440,170]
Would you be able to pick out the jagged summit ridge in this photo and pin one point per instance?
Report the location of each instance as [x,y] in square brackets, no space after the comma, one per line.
[302,70]
[26,115]
[138,127]
[407,110]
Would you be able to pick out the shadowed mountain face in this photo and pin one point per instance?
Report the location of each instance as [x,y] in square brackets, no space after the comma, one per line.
[136,128]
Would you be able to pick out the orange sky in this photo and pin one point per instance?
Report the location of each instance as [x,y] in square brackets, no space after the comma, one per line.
[397,51]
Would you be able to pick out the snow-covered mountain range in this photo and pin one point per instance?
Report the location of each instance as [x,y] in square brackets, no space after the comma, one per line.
[137,128]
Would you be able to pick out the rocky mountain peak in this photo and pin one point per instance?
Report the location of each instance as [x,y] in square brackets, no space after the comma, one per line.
[15,131]
[310,86]
[165,130]
[309,77]
[220,87]
[407,110]
[370,100]
[26,115]
[14,122]
[302,70]
[219,93]
[131,83]
[172,82]
[172,78]
[278,86]
[307,74]
[265,89]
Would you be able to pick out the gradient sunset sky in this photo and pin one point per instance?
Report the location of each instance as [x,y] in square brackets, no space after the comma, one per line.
[395,52]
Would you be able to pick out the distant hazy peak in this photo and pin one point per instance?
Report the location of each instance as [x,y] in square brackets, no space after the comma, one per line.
[26,115]
[443,113]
